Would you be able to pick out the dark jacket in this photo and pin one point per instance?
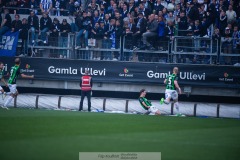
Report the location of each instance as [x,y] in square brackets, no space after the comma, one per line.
[65,27]
[9,20]
[118,31]
[198,28]
[143,25]
[153,26]
[86,23]
[16,25]
[23,34]
[99,33]
[55,28]
[45,23]
[33,22]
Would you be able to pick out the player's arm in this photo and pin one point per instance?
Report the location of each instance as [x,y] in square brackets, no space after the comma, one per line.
[165,81]
[144,104]
[3,80]
[26,76]
[177,86]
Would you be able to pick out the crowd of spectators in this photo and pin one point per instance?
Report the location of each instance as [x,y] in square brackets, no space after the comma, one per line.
[143,22]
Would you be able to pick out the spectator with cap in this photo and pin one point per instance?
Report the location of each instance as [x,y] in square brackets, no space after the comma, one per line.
[193,13]
[54,36]
[65,28]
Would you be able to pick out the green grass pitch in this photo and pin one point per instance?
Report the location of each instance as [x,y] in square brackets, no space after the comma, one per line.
[34,134]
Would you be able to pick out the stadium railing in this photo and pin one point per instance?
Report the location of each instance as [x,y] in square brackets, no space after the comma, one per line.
[180,49]
[193,49]
[229,51]
[55,47]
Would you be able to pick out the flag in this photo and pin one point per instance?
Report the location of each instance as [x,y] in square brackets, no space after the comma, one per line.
[9,44]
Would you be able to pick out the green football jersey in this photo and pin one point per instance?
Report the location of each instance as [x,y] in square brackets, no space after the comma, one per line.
[142,99]
[170,81]
[15,71]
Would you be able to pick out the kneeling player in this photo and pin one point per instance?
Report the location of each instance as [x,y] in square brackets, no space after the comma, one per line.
[146,104]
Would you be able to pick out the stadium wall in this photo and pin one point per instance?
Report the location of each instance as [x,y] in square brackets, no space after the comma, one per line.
[126,77]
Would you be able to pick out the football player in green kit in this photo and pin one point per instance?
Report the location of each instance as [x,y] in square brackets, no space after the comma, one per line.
[171,93]
[14,73]
[3,80]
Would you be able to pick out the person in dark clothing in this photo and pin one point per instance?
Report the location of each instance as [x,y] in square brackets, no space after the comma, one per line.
[152,29]
[16,24]
[86,89]
[6,23]
[118,33]
[33,25]
[222,22]
[193,13]
[141,25]
[65,28]
[84,26]
[97,33]
[45,26]
[23,35]
[182,27]
[54,36]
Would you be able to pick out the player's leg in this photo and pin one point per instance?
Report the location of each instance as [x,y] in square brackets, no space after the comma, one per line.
[14,92]
[167,97]
[1,89]
[175,101]
[154,110]
[2,92]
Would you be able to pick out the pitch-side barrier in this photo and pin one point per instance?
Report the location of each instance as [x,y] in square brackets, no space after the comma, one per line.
[115,105]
